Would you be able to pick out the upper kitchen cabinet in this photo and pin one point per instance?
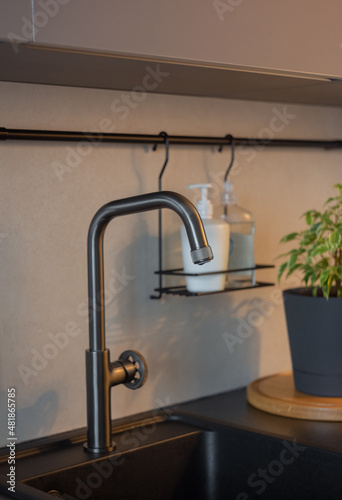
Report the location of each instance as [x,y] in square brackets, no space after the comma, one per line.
[299,36]
[239,49]
[16,21]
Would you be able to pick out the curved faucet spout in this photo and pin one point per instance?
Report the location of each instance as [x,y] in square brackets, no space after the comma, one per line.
[200,250]
[101,373]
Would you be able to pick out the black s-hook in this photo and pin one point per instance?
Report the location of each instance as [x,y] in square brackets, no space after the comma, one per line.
[160,242]
[232,144]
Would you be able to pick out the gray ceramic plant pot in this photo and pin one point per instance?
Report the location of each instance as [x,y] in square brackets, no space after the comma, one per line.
[314,326]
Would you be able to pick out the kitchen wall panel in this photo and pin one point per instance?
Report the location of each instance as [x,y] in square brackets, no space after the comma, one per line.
[48,194]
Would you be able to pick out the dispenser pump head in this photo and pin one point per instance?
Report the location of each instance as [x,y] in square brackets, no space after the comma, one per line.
[229,196]
[204,205]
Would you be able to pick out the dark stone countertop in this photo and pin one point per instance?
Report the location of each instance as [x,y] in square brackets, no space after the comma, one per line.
[231,408]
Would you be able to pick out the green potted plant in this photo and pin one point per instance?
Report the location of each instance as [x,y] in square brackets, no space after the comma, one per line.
[314,312]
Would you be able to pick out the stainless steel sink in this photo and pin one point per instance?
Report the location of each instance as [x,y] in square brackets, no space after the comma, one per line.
[182,459]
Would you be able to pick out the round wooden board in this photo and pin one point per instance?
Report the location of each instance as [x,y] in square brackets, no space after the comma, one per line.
[277,394]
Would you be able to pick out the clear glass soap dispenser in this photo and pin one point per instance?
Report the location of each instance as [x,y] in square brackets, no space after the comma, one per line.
[241,248]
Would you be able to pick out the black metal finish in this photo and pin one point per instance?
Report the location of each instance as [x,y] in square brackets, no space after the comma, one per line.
[208,448]
[232,145]
[186,459]
[101,373]
[98,379]
[160,228]
[179,271]
[59,135]
[181,290]
[142,203]
[134,359]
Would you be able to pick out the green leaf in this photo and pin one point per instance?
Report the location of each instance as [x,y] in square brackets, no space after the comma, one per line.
[288,237]
[308,218]
[309,274]
[324,276]
[329,200]
[308,239]
[313,278]
[339,187]
[281,270]
[318,254]
[319,250]
[287,254]
[293,260]
[294,251]
[323,263]
[293,269]
[325,290]
[326,218]
[316,227]
[337,205]
[334,239]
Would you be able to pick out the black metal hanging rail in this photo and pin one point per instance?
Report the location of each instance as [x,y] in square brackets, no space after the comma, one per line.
[59,135]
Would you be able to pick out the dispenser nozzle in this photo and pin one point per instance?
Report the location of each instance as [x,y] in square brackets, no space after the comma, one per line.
[204,206]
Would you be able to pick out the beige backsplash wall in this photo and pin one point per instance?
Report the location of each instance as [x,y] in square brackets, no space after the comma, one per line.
[194,346]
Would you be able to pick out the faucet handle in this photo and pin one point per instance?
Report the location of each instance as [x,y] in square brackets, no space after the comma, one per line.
[133,359]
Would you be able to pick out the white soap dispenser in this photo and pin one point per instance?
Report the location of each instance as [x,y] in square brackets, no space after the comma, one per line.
[217,232]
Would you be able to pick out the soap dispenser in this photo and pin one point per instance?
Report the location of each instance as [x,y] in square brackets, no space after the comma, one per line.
[217,231]
[242,227]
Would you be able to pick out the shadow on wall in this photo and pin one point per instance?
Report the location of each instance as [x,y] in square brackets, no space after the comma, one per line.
[33,421]
[206,350]
[193,346]
[37,419]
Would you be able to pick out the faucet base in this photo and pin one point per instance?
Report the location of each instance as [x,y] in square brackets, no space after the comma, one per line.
[130,370]
[99,450]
